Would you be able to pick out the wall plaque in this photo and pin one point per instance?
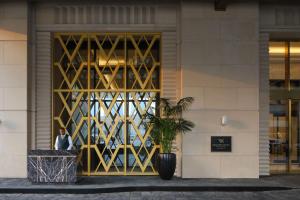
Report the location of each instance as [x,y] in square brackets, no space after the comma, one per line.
[220,143]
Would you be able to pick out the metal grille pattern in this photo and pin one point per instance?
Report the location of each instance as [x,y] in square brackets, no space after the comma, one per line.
[103,83]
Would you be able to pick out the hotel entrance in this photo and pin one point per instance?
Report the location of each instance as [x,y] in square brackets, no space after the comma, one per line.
[102,85]
[284,116]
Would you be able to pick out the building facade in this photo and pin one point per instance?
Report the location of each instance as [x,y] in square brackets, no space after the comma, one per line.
[95,68]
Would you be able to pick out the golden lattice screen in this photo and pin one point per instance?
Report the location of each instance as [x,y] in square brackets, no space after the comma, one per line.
[102,85]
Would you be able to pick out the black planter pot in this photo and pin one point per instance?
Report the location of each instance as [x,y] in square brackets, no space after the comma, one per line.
[166,164]
[154,160]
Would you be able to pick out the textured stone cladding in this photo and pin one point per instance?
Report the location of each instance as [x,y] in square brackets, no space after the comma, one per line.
[220,69]
[48,166]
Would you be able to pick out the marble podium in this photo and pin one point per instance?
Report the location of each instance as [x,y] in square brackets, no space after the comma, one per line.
[51,166]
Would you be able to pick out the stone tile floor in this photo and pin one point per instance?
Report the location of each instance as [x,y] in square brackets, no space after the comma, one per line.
[119,181]
[270,195]
[292,181]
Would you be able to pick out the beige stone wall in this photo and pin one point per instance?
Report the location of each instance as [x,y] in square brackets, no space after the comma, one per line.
[220,68]
[13,89]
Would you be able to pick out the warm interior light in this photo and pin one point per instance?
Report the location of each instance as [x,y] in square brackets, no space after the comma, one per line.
[281,50]
[108,78]
[111,62]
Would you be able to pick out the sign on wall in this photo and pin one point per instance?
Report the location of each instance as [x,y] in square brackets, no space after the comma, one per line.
[221,144]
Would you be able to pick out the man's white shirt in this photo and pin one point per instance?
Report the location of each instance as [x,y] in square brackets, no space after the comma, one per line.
[62,137]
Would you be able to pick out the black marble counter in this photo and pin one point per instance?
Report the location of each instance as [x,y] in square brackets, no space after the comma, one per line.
[52,153]
[51,166]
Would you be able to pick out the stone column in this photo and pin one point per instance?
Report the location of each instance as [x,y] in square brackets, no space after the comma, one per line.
[220,68]
[13,89]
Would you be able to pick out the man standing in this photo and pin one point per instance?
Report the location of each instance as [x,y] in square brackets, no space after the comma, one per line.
[63,141]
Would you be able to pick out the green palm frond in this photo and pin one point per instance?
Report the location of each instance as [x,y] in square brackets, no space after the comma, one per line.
[165,106]
[184,125]
[181,106]
[184,103]
[165,127]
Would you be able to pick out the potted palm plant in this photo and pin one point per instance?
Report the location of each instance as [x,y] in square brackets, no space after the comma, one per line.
[164,130]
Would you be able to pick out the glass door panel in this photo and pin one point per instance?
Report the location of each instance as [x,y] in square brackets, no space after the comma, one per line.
[278,135]
[294,137]
[284,82]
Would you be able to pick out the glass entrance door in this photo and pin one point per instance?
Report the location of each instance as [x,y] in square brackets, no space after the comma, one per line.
[284,115]
[284,136]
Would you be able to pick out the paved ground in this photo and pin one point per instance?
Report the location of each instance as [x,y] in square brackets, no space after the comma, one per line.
[291,181]
[132,181]
[270,195]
